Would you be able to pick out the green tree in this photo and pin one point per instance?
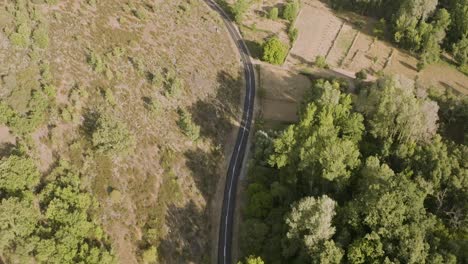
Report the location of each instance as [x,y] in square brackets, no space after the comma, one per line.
[395,114]
[18,220]
[274,51]
[18,174]
[310,221]
[460,51]
[323,145]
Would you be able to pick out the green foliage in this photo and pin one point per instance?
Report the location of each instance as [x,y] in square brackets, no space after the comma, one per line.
[110,136]
[140,13]
[253,260]
[321,62]
[40,37]
[150,255]
[239,9]
[417,25]
[460,51]
[323,143]
[186,124]
[26,123]
[273,13]
[395,114]
[274,51]
[109,96]
[310,222]
[380,28]
[361,75]
[21,38]
[404,203]
[49,226]
[18,174]
[293,33]
[291,10]
[173,85]
[97,62]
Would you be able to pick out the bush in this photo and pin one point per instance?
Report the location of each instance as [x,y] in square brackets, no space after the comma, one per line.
[188,127]
[41,38]
[239,9]
[380,28]
[321,62]
[111,136]
[173,85]
[21,37]
[361,75]
[291,10]
[96,62]
[273,13]
[274,51]
[293,33]
[150,255]
[109,96]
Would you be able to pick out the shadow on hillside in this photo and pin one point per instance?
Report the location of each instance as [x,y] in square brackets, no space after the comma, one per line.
[189,225]
[215,113]
[204,167]
[187,240]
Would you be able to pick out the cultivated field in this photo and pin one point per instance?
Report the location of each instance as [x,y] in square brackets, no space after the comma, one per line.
[348,44]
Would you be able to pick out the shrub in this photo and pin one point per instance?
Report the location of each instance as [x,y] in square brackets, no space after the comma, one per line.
[150,255]
[109,96]
[274,51]
[96,62]
[293,33]
[21,37]
[273,13]
[239,9]
[140,13]
[188,127]
[173,85]
[41,38]
[111,136]
[291,10]
[151,105]
[379,29]
[321,62]
[361,75]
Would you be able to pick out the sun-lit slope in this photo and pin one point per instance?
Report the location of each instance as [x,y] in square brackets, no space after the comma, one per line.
[161,70]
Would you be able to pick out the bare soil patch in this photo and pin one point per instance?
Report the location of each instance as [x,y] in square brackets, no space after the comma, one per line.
[281,91]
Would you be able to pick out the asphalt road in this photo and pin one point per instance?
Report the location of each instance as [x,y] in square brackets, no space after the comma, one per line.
[235,164]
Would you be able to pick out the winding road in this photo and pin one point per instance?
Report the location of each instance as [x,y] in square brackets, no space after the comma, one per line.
[237,158]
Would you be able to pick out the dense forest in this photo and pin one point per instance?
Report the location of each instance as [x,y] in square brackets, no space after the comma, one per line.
[377,177]
[423,26]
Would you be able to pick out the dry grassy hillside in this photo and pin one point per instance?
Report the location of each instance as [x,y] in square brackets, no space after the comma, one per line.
[145,65]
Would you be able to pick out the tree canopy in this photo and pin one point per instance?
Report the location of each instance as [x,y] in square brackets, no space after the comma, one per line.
[368,180]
